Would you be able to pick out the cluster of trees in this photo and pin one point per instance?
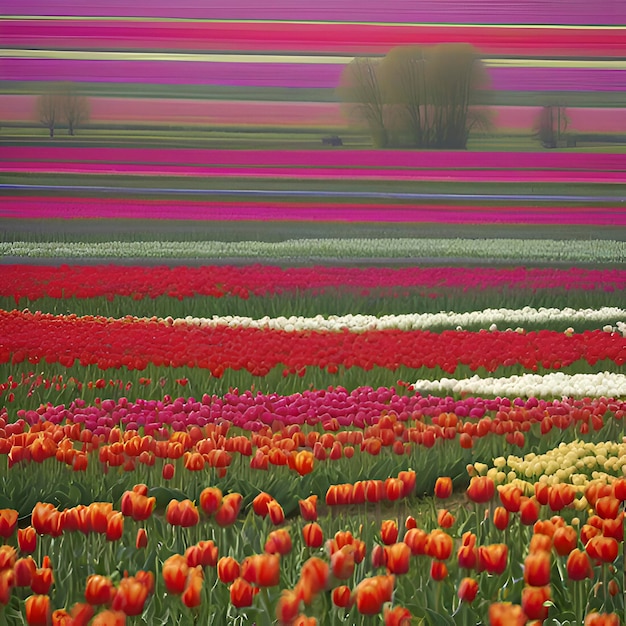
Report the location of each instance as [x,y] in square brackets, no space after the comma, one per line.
[63,105]
[551,124]
[416,96]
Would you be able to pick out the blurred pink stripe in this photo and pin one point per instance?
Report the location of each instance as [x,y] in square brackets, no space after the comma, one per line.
[307,172]
[110,208]
[315,114]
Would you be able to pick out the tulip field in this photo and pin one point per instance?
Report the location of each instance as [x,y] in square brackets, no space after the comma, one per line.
[300,444]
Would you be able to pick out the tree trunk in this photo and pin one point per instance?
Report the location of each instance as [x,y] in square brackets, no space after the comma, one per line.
[51,131]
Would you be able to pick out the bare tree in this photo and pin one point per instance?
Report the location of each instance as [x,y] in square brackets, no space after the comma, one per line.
[362,93]
[550,125]
[49,110]
[75,108]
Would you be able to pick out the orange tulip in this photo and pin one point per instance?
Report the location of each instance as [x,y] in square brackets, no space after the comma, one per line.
[61,617]
[445,519]
[38,611]
[564,540]
[228,569]
[389,531]
[619,489]
[184,513]
[560,496]
[500,518]
[115,526]
[443,487]
[533,599]
[81,613]
[537,569]
[27,539]
[204,553]
[7,582]
[275,512]
[397,558]
[260,502]
[47,519]
[304,620]
[97,516]
[342,596]
[313,579]
[468,589]
[540,543]
[7,557]
[607,507]
[109,618]
[8,522]
[228,512]
[24,570]
[511,497]
[506,614]
[98,590]
[602,548]
[278,542]
[578,565]
[602,619]
[242,593]
[168,471]
[313,535]
[302,462]
[467,554]
[481,489]
[342,562]
[287,607]
[131,595]
[528,510]
[439,545]
[175,571]
[308,508]
[416,539]
[42,581]
[210,500]
[142,539]
[493,558]
[438,570]
[192,595]
[263,570]
[398,616]
[137,505]
[372,593]
[614,528]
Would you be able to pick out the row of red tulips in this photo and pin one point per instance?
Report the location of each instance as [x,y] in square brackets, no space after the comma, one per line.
[134,343]
[33,282]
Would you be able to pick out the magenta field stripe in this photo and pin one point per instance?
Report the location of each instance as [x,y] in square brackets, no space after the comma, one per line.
[456,159]
[73,208]
[463,11]
[313,173]
[284,75]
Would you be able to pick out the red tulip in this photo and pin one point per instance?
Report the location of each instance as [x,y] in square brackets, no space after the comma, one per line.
[192,595]
[342,562]
[308,508]
[313,579]
[313,535]
[142,539]
[204,553]
[228,569]
[564,540]
[42,581]
[537,569]
[500,517]
[511,497]
[506,614]
[228,512]
[8,522]
[278,542]
[493,558]
[372,593]
[481,489]
[468,589]
[24,570]
[168,471]
[182,513]
[275,512]
[242,593]
[342,596]
[98,590]
[438,570]
[27,539]
[7,582]
[578,565]
[607,507]
[602,619]
[109,618]
[445,519]
[602,548]
[443,487]
[175,570]
[210,500]
[439,545]
[38,611]
[263,570]
[416,539]
[397,558]
[260,502]
[287,607]
[398,616]
[529,510]
[389,531]
[533,599]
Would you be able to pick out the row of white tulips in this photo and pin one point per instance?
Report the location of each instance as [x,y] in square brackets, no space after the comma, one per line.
[487,318]
[607,251]
[576,463]
[552,385]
